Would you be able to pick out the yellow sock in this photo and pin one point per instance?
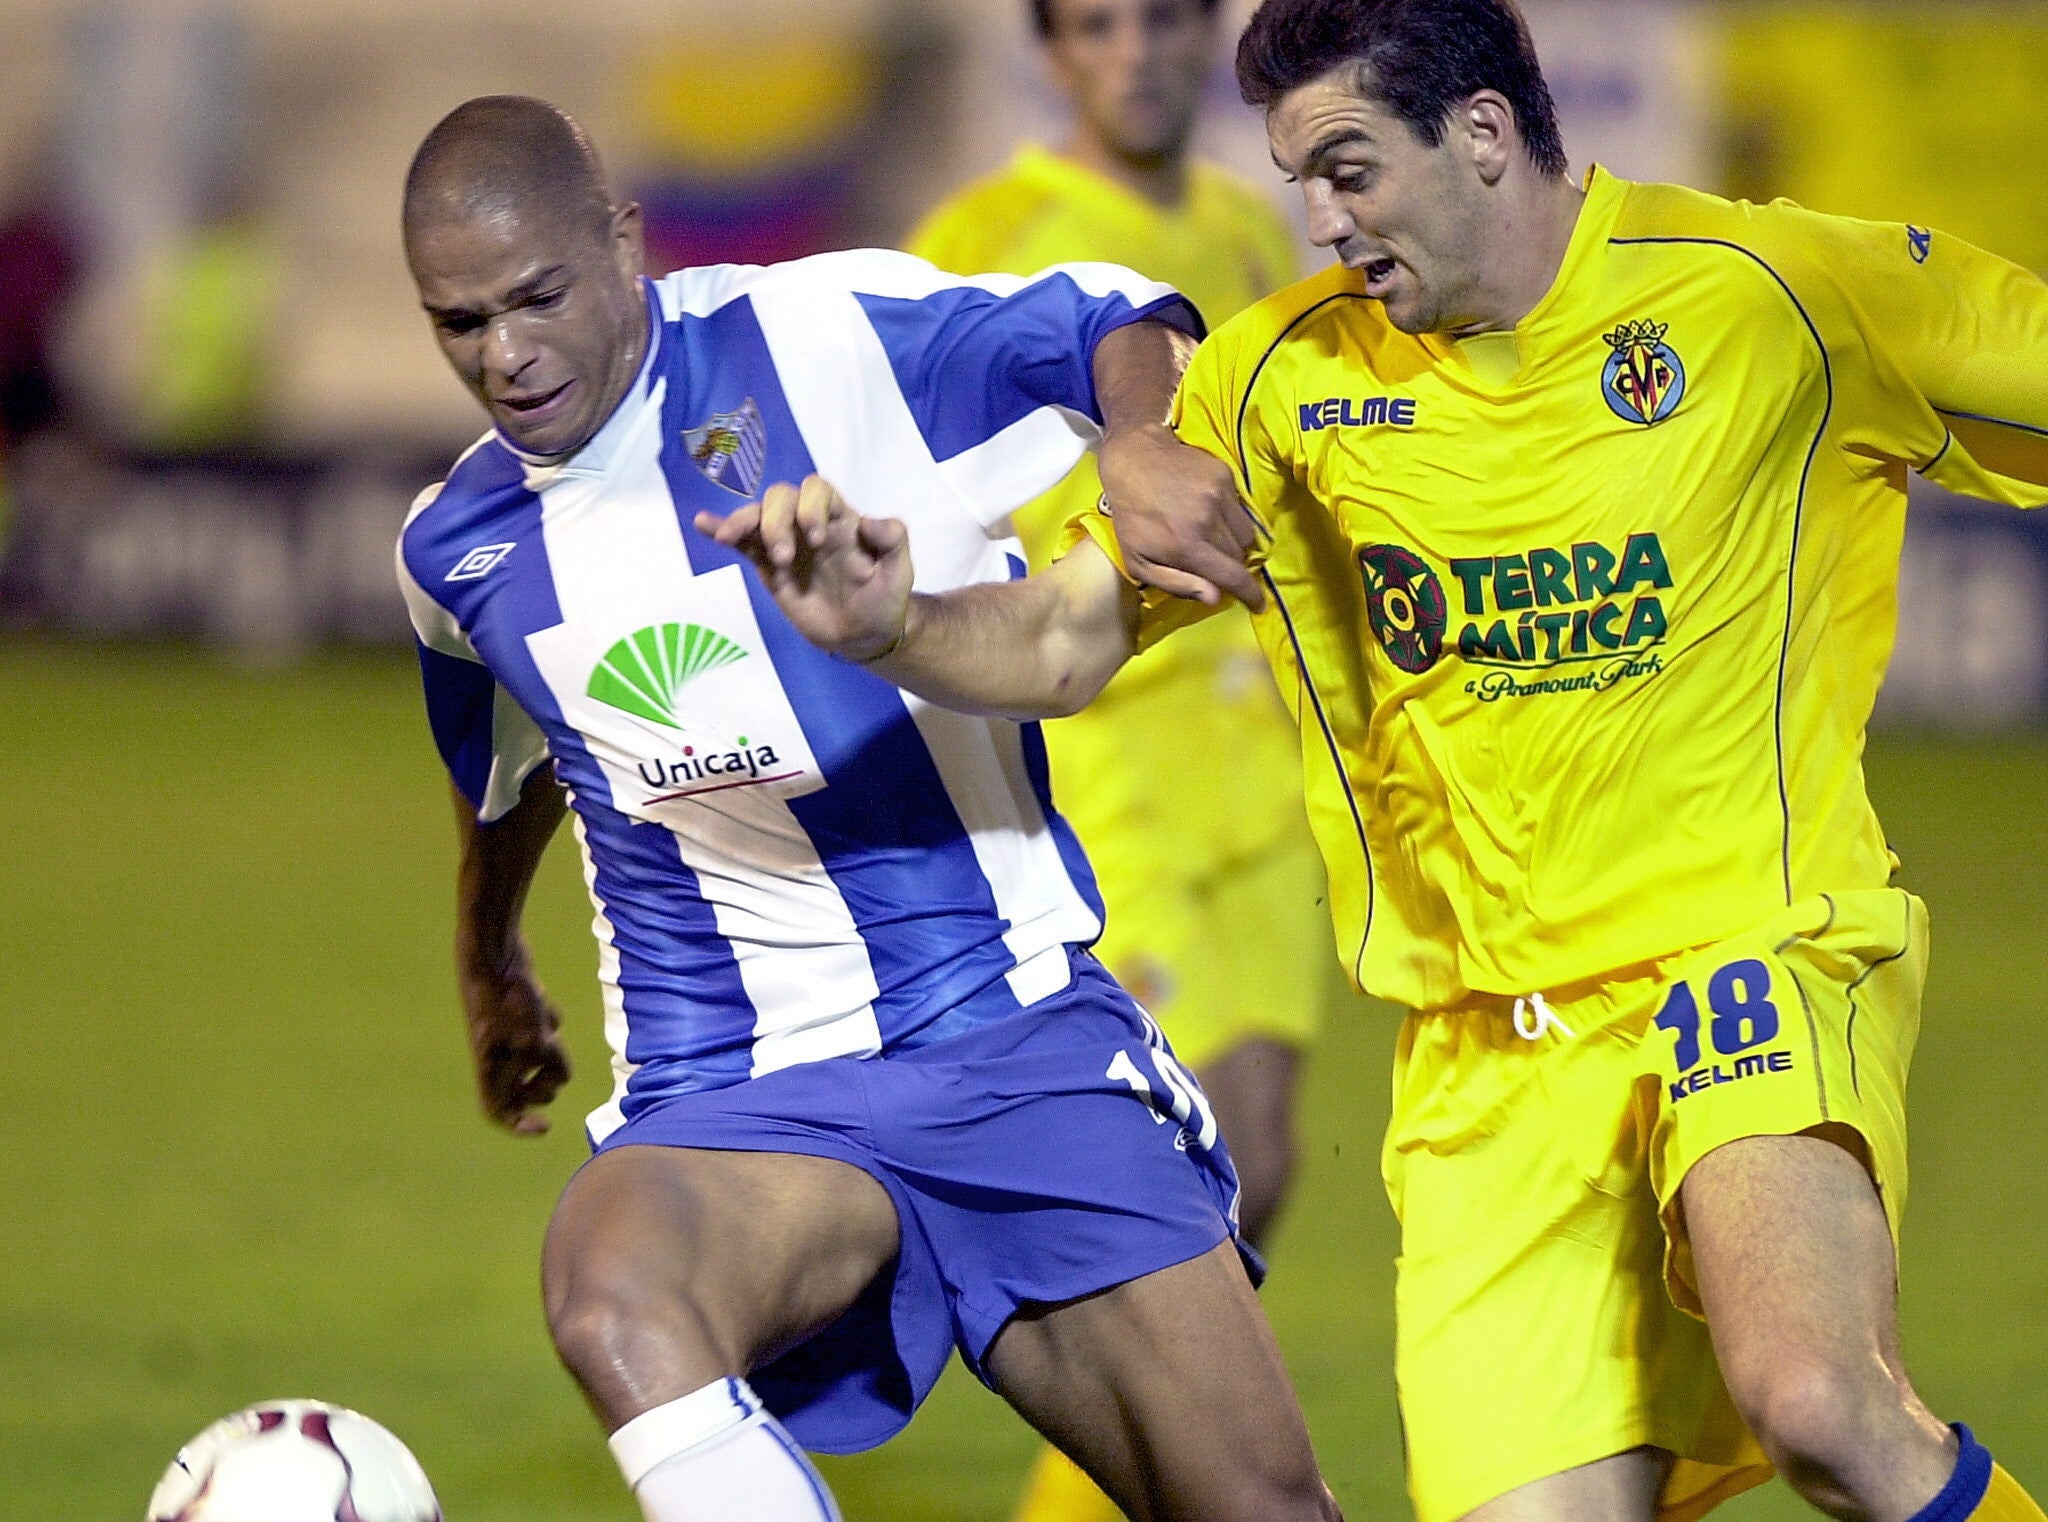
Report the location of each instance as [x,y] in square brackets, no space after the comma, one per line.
[2006,1502]
[1059,1492]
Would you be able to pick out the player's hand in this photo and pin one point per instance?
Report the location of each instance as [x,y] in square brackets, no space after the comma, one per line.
[514,1036]
[842,579]
[1177,516]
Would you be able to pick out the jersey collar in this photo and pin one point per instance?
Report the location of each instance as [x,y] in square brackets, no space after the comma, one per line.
[1582,256]
[1496,358]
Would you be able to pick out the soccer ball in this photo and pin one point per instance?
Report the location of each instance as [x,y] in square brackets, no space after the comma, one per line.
[294,1461]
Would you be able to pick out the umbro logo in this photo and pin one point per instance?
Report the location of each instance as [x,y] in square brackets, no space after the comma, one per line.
[481,561]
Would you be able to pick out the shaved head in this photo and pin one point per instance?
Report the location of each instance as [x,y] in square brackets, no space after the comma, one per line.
[507,158]
[529,273]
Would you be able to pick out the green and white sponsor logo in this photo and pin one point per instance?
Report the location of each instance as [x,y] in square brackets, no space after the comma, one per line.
[643,673]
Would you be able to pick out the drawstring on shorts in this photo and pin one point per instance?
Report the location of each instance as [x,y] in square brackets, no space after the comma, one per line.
[1534,1016]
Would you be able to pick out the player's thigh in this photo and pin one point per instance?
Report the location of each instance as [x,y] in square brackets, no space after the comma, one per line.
[749,1252]
[1804,1027]
[1251,1088]
[1795,1264]
[1170,1391]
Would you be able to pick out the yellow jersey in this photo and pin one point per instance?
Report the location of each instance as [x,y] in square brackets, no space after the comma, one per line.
[1582,622]
[1201,712]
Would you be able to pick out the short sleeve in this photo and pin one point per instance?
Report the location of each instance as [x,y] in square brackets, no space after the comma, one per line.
[1954,380]
[488,743]
[996,372]
[976,356]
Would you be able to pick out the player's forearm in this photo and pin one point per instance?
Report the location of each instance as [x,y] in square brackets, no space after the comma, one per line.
[497,867]
[1136,370]
[1039,648]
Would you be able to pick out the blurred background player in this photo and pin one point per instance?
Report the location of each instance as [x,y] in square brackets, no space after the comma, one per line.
[1182,780]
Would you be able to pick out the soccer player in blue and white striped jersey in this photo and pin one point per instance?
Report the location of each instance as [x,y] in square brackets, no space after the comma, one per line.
[874,1098]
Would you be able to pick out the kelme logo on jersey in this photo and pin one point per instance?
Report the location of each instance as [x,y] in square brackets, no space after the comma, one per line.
[1405,602]
[1358,412]
[731,448]
[1643,380]
[643,672]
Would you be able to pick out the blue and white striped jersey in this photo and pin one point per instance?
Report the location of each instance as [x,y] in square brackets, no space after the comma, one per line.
[790,858]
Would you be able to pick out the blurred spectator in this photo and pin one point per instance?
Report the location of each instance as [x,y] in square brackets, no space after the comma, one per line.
[753,165]
[39,274]
[1921,113]
[204,331]
[39,270]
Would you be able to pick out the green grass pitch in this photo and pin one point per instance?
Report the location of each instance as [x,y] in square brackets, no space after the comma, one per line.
[242,1158]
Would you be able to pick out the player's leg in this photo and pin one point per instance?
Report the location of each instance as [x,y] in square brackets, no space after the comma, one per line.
[669,1273]
[1239,1011]
[1544,1374]
[1251,1087]
[1795,1264]
[1247,1007]
[1781,1067]
[1170,1392]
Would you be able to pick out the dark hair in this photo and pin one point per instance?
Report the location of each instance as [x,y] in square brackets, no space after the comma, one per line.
[1421,59]
[1041,14]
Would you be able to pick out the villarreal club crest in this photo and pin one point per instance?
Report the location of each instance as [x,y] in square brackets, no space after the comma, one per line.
[1644,380]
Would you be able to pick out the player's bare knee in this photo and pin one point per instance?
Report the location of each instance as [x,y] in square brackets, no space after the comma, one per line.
[1299,1498]
[1818,1418]
[1294,1492]
[613,1314]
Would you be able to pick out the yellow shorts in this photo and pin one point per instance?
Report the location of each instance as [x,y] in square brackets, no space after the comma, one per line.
[1546,1309]
[1219,958]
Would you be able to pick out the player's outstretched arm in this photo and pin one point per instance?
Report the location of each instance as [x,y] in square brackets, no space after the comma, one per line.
[513,1025]
[1031,649]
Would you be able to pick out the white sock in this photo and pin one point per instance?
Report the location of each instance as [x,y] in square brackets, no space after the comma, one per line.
[715,1455]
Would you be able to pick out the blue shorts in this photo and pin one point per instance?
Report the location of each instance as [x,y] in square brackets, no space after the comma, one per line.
[1037,1159]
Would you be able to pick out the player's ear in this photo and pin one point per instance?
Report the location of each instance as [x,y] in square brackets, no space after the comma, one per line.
[1486,124]
[629,240]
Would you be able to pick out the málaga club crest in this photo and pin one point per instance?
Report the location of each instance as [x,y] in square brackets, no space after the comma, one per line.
[1643,380]
[731,448]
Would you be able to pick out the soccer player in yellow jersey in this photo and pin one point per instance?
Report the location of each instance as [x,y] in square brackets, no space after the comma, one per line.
[1183,778]
[1574,517]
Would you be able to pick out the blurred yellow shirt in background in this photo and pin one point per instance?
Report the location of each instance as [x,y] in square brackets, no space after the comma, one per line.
[1183,779]
[1190,738]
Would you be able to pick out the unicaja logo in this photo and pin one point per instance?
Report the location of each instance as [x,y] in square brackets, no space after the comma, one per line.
[643,673]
